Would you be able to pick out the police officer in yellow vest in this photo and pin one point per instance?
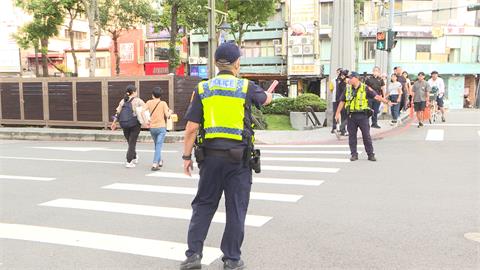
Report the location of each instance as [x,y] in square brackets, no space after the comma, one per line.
[355,99]
[221,113]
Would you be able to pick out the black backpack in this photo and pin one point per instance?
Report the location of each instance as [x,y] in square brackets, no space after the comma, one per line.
[126,118]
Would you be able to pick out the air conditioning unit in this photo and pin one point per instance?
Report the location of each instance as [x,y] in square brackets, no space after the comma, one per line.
[192,60]
[278,50]
[297,50]
[307,49]
[276,42]
[291,42]
[306,40]
[202,61]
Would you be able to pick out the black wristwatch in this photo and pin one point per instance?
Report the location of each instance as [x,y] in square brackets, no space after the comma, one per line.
[189,157]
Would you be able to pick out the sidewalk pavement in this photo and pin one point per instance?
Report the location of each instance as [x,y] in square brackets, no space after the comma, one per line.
[316,136]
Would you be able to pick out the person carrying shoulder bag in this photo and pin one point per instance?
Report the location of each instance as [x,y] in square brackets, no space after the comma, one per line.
[127,117]
[159,111]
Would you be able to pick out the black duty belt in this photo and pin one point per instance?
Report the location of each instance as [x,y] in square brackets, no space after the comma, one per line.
[217,152]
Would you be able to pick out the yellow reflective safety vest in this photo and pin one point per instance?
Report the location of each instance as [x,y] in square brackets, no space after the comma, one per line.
[223,99]
[357,103]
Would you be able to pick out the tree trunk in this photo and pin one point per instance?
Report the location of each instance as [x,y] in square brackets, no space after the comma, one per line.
[72,44]
[37,71]
[115,51]
[44,50]
[91,8]
[172,52]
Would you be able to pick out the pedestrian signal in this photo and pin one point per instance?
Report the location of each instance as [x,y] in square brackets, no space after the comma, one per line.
[381,41]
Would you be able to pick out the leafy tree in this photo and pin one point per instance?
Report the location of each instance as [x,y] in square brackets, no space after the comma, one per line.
[118,16]
[74,8]
[180,15]
[27,38]
[47,16]
[245,13]
[92,10]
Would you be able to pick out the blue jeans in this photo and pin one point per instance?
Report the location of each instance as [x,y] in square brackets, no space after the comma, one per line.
[395,107]
[158,135]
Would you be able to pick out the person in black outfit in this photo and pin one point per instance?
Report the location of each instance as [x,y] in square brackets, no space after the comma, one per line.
[340,86]
[403,81]
[375,83]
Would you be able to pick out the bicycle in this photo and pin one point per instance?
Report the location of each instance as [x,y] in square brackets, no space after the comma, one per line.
[433,108]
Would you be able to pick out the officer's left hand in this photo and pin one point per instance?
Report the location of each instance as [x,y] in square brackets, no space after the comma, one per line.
[188,167]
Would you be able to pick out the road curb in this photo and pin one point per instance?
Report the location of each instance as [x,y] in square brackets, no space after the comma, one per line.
[79,136]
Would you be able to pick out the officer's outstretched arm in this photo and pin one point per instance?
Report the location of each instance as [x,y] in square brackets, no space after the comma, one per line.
[269,99]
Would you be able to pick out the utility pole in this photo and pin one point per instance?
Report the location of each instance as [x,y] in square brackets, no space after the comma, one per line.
[212,38]
[390,27]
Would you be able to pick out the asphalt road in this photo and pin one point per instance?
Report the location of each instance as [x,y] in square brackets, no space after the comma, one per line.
[412,209]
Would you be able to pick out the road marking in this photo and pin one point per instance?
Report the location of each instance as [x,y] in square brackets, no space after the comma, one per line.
[146,210]
[278,197]
[89,149]
[17,177]
[327,152]
[304,146]
[109,242]
[63,160]
[256,180]
[454,125]
[301,159]
[299,169]
[435,135]
[472,236]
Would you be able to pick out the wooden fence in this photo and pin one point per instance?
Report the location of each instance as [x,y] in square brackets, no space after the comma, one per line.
[84,102]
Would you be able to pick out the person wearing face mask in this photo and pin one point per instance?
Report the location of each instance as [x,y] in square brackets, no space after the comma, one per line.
[375,83]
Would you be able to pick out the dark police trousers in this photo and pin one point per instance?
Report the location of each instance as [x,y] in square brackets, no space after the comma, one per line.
[375,105]
[218,175]
[359,120]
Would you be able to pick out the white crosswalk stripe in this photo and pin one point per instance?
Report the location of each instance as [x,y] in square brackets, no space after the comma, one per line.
[299,146]
[303,159]
[256,180]
[124,244]
[299,169]
[146,210]
[90,149]
[435,135]
[33,178]
[308,152]
[192,191]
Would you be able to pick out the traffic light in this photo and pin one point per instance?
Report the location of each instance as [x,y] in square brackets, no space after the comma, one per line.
[381,41]
[473,7]
[391,39]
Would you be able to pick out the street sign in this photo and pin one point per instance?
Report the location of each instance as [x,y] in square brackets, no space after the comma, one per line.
[391,41]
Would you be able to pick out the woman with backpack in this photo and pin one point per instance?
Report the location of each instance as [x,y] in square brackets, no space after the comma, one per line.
[159,111]
[126,116]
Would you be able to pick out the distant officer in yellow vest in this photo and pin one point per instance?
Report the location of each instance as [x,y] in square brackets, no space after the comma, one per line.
[221,114]
[355,99]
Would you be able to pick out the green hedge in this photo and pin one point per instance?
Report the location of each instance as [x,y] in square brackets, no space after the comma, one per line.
[299,104]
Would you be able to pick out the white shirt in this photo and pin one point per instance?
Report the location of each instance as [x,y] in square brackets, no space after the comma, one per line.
[439,84]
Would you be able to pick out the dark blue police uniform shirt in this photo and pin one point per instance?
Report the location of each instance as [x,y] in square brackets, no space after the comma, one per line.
[255,96]
[370,93]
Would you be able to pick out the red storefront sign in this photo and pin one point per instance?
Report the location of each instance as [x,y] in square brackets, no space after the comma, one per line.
[161,68]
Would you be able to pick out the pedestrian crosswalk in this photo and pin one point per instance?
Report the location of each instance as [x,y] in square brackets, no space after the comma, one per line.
[292,169]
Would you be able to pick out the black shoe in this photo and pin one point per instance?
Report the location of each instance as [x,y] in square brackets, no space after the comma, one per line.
[372,158]
[233,265]
[155,168]
[192,262]
[376,126]
[344,133]
[354,157]
[332,131]
[443,119]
